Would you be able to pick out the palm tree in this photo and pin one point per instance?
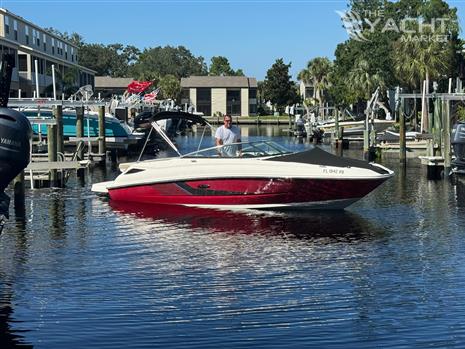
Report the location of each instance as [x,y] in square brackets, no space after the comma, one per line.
[319,69]
[66,81]
[362,82]
[417,60]
[317,73]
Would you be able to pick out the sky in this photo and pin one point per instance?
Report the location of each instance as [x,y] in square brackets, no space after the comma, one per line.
[251,34]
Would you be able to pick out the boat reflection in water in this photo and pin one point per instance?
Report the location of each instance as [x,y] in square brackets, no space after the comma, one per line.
[343,225]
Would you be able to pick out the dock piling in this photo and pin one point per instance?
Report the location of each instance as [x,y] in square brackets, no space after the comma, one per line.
[402,141]
[18,187]
[102,149]
[446,137]
[52,152]
[80,131]
[58,111]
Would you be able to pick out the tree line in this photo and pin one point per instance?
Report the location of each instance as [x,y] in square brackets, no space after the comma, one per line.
[398,43]
[393,44]
[165,66]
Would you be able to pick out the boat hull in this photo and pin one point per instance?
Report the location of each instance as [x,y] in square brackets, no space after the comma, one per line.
[251,192]
[113,127]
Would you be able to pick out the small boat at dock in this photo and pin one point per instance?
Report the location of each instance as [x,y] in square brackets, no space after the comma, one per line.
[113,126]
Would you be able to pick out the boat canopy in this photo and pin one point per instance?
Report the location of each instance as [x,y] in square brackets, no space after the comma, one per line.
[148,117]
[320,157]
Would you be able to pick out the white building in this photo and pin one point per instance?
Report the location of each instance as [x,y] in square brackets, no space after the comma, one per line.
[30,43]
[306,90]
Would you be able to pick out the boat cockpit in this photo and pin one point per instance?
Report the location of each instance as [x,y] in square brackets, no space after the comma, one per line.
[253,149]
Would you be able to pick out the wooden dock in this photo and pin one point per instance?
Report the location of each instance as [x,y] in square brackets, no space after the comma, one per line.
[40,170]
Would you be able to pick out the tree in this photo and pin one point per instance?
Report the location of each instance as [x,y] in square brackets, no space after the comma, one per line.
[73,38]
[66,81]
[111,60]
[415,61]
[239,72]
[278,87]
[389,56]
[160,61]
[317,73]
[170,87]
[220,66]
[362,81]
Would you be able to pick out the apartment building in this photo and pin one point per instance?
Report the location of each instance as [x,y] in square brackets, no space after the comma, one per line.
[34,47]
[234,95]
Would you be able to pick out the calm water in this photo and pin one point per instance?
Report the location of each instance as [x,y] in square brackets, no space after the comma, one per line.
[77,271]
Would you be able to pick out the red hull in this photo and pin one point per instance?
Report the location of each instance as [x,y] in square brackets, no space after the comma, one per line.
[243,192]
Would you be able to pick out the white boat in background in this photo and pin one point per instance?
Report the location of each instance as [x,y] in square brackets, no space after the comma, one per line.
[353,128]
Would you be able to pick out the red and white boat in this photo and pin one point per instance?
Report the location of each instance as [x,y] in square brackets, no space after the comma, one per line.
[264,176]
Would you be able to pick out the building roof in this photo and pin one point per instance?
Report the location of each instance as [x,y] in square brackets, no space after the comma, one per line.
[218,81]
[5,12]
[109,82]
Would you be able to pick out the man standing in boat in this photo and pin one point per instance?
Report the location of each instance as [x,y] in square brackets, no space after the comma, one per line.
[229,134]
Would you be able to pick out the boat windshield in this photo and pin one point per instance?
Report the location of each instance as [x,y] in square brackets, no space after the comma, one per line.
[241,150]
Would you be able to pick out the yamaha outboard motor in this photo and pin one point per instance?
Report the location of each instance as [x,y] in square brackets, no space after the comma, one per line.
[15,136]
[458,144]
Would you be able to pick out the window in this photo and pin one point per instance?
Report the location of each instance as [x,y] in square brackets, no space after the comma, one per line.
[44,39]
[252,93]
[185,95]
[53,46]
[252,108]
[27,35]
[15,28]
[7,25]
[35,37]
[204,101]
[252,101]
[22,62]
[233,102]
[40,64]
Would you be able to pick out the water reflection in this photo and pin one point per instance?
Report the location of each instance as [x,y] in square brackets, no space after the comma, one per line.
[78,271]
[337,225]
[13,258]
[8,337]
[460,191]
[57,217]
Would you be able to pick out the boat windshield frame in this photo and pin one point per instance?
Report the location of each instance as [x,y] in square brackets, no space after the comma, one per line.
[252,149]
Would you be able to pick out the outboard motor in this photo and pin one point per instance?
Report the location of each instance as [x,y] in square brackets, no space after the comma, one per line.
[143,120]
[15,136]
[458,144]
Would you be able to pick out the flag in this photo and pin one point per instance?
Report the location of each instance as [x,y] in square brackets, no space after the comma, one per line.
[150,97]
[138,86]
